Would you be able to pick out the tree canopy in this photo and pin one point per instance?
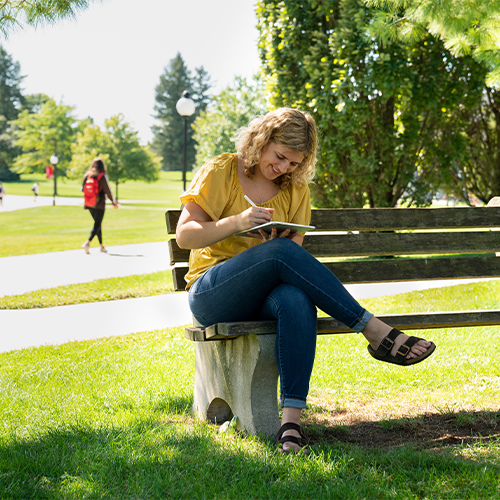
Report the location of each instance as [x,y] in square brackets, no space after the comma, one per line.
[49,131]
[384,110]
[16,13]
[465,27]
[215,128]
[168,141]
[119,148]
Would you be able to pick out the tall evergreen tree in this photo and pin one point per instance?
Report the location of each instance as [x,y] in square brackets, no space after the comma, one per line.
[168,141]
[11,99]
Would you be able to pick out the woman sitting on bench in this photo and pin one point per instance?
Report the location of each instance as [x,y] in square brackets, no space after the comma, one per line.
[236,278]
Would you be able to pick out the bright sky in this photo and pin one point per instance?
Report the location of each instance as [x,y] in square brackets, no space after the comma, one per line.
[109,60]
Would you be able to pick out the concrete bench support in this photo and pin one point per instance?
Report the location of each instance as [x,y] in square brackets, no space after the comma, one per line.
[238,377]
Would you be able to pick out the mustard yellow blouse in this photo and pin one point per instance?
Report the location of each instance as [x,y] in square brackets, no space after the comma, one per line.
[216,188]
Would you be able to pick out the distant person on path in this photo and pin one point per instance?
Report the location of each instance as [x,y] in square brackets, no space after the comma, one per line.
[2,193]
[95,188]
[34,188]
[270,276]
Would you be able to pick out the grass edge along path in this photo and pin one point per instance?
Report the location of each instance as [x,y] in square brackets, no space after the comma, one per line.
[126,287]
[111,418]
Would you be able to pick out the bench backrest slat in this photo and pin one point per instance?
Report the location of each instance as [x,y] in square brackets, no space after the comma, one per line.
[390,270]
[438,231]
[386,219]
[374,244]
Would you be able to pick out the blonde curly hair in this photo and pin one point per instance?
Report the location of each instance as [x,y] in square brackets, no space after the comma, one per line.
[288,127]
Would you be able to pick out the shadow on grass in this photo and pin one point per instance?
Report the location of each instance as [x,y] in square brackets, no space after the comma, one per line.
[426,431]
[172,456]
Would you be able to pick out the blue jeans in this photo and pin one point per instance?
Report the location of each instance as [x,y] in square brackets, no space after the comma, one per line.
[278,280]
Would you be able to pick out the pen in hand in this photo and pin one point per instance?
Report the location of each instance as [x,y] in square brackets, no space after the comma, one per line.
[250,201]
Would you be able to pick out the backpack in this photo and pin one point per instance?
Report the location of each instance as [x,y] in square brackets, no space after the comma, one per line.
[91,191]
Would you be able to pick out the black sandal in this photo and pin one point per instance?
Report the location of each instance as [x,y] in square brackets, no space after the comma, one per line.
[383,353]
[302,441]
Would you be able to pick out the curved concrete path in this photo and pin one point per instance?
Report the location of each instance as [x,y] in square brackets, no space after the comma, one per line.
[56,325]
[21,329]
[18,202]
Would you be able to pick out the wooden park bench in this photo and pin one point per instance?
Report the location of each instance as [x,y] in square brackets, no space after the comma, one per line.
[235,365]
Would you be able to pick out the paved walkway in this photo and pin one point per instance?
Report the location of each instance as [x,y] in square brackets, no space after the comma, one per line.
[21,329]
[26,273]
[56,325]
[18,202]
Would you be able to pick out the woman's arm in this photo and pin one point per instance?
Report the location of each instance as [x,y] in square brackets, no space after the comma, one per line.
[196,229]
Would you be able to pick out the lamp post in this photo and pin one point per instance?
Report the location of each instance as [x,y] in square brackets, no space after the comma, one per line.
[54,160]
[185,107]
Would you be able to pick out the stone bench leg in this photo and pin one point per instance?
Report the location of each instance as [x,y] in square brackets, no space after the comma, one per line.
[238,377]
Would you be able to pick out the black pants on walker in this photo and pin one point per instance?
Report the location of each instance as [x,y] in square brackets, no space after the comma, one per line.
[97,215]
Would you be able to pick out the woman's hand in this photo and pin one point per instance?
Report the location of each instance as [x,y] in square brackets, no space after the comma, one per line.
[264,236]
[255,216]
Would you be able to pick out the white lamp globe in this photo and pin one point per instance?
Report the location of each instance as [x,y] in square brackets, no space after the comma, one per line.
[185,105]
[54,160]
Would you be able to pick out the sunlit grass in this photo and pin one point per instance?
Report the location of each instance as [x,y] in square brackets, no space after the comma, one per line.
[137,285]
[52,229]
[111,418]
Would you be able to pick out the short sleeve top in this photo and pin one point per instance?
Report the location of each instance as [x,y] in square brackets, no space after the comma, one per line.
[217,190]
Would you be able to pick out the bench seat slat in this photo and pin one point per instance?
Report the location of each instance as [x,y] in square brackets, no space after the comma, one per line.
[413,321]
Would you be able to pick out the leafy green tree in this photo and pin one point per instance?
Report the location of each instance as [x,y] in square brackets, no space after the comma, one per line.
[50,131]
[15,13]
[380,109]
[33,102]
[168,141]
[120,149]
[91,143]
[216,127]
[11,99]
[467,28]
[475,171]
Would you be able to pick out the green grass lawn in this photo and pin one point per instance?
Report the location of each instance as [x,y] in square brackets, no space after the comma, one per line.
[111,418]
[167,189]
[52,229]
[137,285]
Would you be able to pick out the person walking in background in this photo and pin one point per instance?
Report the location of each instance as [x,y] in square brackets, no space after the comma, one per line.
[95,188]
[34,188]
[2,193]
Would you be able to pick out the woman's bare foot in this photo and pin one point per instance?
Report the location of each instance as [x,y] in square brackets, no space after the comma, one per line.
[376,330]
[292,416]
